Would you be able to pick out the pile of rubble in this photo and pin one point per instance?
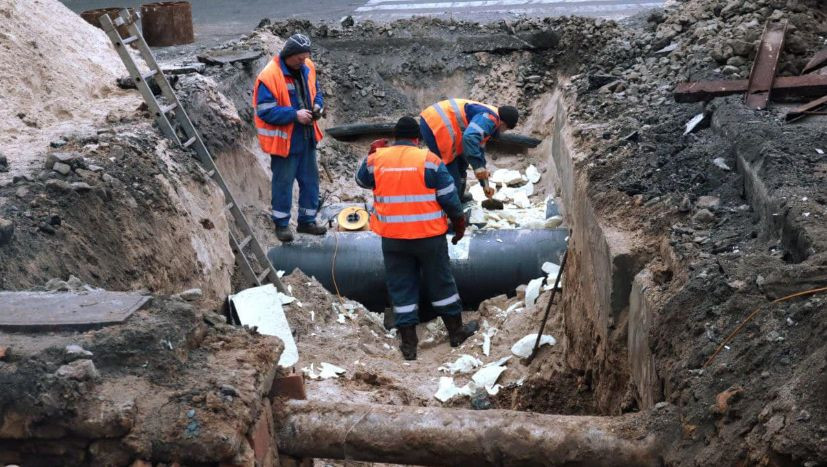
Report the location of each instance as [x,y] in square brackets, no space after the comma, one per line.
[170,384]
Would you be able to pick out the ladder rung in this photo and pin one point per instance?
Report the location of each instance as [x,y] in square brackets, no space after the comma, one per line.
[167,108]
[229,206]
[149,74]
[189,142]
[245,242]
[263,275]
[118,21]
[129,40]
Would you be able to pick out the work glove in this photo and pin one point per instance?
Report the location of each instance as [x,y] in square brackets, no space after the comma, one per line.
[379,143]
[459,229]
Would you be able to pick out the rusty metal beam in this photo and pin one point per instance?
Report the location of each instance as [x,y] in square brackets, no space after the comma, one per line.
[809,108]
[441,436]
[783,87]
[766,63]
[819,60]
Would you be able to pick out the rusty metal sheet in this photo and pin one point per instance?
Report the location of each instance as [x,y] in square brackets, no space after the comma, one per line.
[810,108]
[765,65]
[783,87]
[56,311]
[819,60]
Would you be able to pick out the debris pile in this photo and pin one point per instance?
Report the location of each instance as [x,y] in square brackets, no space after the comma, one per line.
[171,384]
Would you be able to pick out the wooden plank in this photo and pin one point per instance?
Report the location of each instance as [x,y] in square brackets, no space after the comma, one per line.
[819,60]
[806,109]
[783,87]
[765,65]
[45,311]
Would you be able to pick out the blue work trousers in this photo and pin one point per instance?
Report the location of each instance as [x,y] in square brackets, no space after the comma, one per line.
[421,264]
[301,167]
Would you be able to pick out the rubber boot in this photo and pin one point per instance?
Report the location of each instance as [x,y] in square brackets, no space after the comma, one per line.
[458,332]
[284,234]
[311,228]
[409,342]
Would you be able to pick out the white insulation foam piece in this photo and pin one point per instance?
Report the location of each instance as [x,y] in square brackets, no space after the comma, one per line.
[448,390]
[532,291]
[532,174]
[506,176]
[262,307]
[522,348]
[464,364]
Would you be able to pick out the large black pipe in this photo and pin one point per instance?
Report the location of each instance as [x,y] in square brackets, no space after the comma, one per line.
[497,262]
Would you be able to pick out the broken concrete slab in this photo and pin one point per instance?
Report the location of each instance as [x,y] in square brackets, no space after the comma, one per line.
[43,311]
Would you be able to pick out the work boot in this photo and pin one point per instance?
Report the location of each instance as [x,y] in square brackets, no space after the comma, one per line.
[466,197]
[457,332]
[311,228]
[284,234]
[409,342]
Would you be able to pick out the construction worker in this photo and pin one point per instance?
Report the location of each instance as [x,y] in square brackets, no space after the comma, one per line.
[288,102]
[413,195]
[456,130]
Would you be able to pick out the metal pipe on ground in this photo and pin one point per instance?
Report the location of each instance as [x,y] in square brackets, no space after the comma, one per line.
[355,130]
[485,264]
[440,436]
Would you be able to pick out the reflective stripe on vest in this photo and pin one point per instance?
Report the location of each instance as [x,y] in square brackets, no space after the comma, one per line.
[448,121]
[275,139]
[404,207]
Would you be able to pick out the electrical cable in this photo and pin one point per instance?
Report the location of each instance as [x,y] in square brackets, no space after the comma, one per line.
[753,314]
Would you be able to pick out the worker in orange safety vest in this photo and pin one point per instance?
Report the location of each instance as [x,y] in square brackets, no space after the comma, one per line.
[288,102]
[414,196]
[457,130]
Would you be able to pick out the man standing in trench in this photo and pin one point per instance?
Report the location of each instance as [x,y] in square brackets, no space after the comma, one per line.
[413,192]
[456,130]
[288,102]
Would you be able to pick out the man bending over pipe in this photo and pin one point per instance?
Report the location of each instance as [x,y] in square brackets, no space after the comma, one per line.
[456,130]
[413,192]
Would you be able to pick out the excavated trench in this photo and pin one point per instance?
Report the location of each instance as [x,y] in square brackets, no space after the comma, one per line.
[595,305]
[634,298]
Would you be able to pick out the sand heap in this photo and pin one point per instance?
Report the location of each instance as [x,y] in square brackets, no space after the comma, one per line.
[56,70]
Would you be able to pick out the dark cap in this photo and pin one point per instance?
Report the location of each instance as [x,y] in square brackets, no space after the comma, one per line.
[296,44]
[406,128]
[509,115]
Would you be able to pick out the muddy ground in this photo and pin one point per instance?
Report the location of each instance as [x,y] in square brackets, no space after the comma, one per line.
[711,225]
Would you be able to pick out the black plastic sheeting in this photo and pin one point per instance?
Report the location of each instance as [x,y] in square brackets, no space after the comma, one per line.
[497,262]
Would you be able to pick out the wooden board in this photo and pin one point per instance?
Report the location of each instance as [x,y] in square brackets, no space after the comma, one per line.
[766,63]
[783,87]
[55,311]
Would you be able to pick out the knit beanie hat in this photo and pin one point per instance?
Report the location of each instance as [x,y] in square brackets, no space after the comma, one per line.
[406,128]
[509,115]
[296,44]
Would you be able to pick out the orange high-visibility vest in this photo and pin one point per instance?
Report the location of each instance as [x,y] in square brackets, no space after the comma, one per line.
[275,139]
[447,121]
[404,207]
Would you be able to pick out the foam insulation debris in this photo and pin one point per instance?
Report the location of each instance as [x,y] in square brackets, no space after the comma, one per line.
[261,307]
[522,348]
[326,371]
[464,364]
